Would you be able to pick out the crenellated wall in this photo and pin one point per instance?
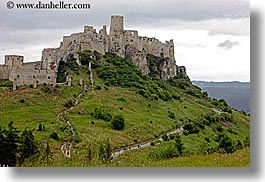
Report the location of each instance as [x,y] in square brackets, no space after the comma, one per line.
[125,43]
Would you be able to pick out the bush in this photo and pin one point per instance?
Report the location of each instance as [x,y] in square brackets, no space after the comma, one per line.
[165,137]
[102,114]
[22,101]
[207,139]
[171,115]
[98,87]
[179,145]
[6,83]
[171,136]
[46,90]
[226,143]
[176,97]
[191,128]
[54,136]
[69,104]
[40,127]
[118,122]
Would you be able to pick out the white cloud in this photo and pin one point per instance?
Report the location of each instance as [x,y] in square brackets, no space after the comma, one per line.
[197,27]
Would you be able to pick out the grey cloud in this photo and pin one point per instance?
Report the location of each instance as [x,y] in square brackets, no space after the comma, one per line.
[227,44]
[137,13]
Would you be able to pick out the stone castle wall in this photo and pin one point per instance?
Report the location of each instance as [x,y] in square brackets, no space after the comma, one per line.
[125,43]
[26,73]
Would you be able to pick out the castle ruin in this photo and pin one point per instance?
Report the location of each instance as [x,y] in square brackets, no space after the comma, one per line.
[125,43]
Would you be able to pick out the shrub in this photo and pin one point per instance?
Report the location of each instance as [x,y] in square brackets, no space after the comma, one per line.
[239,145]
[6,83]
[226,143]
[171,136]
[176,97]
[191,128]
[171,115]
[165,137]
[207,139]
[69,104]
[46,90]
[102,114]
[54,136]
[118,122]
[179,145]
[247,141]
[22,101]
[40,127]
[98,87]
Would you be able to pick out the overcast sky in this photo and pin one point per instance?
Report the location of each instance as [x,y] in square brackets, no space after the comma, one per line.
[212,37]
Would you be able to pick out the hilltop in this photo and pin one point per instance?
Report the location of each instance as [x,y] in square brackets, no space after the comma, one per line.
[77,118]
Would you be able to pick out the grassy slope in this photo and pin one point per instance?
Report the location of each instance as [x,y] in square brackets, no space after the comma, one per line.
[240,158]
[144,117]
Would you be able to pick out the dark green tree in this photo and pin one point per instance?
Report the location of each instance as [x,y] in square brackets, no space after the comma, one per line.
[226,143]
[2,146]
[118,122]
[179,144]
[11,145]
[40,127]
[28,147]
[47,155]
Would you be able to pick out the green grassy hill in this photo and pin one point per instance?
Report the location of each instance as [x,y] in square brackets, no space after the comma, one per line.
[149,106]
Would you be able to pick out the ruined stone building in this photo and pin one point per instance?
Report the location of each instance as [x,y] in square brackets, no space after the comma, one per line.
[125,43]
[22,73]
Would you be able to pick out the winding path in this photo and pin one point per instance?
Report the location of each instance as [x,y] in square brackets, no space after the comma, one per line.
[66,149]
[143,145]
[61,116]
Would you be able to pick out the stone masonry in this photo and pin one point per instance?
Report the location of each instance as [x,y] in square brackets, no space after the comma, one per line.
[22,73]
[125,43]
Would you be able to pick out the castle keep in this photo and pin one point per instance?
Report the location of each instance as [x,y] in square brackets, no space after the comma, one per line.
[125,43]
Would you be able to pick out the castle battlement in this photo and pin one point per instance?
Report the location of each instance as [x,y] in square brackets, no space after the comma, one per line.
[120,41]
[125,43]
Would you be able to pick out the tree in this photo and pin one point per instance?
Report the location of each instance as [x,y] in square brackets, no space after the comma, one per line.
[28,146]
[40,127]
[179,145]
[54,136]
[226,143]
[2,145]
[118,122]
[10,146]
[47,156]
[165,137]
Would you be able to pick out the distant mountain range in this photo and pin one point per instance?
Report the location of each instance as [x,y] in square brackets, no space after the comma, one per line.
[237,94]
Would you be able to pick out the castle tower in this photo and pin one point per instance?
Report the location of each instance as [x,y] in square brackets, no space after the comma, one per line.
[14,61]
[116,25]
